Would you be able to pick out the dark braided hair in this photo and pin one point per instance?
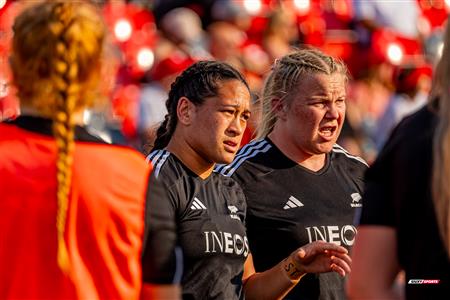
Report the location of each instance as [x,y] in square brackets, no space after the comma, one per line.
[199,81]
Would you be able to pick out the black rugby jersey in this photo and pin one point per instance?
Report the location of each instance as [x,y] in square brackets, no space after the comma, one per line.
[205,218]
[398,194]
[290,206]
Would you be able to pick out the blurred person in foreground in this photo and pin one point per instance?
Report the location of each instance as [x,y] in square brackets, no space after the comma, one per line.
[196,233]
[71,206]
[300,185]
[405,222]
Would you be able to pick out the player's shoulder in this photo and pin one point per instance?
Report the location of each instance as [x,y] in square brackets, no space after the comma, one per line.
[227,182]
[343,157]
[247,158]
[166,167]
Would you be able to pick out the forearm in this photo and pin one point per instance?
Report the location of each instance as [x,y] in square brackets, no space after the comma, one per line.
[368,287]
[274,283]
[375,266]
[316,257]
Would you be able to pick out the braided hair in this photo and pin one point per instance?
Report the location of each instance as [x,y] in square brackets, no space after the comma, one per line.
[57,50]
[286,74]
[198,82]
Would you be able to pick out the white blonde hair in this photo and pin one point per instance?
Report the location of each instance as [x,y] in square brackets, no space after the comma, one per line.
[286,74]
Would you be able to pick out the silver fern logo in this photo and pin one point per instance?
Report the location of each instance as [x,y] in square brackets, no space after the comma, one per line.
[356,200]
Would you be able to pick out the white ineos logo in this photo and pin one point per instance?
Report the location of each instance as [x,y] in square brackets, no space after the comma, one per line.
[340,235]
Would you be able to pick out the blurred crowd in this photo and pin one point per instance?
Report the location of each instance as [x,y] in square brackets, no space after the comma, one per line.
[390,48]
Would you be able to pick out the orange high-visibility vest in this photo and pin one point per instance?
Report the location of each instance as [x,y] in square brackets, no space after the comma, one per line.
[104,226]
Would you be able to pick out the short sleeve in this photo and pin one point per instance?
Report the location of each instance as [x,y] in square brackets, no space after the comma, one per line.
[162,257]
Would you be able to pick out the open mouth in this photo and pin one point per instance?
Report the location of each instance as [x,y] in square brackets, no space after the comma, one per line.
[327,132]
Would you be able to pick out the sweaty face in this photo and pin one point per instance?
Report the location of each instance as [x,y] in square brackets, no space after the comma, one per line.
[316,113]
[219,123]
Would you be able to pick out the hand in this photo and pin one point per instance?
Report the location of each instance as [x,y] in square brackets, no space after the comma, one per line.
[322,257]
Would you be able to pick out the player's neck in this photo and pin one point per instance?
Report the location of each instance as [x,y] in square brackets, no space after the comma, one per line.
[313,162]
[189,157]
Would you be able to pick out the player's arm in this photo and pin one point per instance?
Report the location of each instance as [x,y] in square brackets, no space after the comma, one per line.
[375,264]
[275,283]
[161,258]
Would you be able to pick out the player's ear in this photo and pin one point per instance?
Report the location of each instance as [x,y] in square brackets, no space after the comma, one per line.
[279,107]
[185,111]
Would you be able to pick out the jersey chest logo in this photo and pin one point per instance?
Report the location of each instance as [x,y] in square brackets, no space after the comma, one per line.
[293,203]
[338,234]
[197,204]
[356,198]
[233,212]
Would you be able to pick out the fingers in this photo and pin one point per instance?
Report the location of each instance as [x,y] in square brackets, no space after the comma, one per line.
[338,270]
[342,256]
[324,246]
[311,249]
[320,256]
[301,253]
[340,266]
[318,247]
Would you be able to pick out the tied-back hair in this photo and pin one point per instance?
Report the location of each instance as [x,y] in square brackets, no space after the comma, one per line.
[198,82]
[57,50]
[441,144]
[287,72]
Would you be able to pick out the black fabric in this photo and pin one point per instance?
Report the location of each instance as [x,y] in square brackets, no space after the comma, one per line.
[44,126]
[290,206]
[398,194]
[203,218]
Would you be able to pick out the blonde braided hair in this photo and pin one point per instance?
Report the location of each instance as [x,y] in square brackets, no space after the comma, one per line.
[287,72]
[57,50]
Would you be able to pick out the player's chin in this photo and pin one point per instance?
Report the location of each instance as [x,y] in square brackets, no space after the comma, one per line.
[325,147]
[226,157]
